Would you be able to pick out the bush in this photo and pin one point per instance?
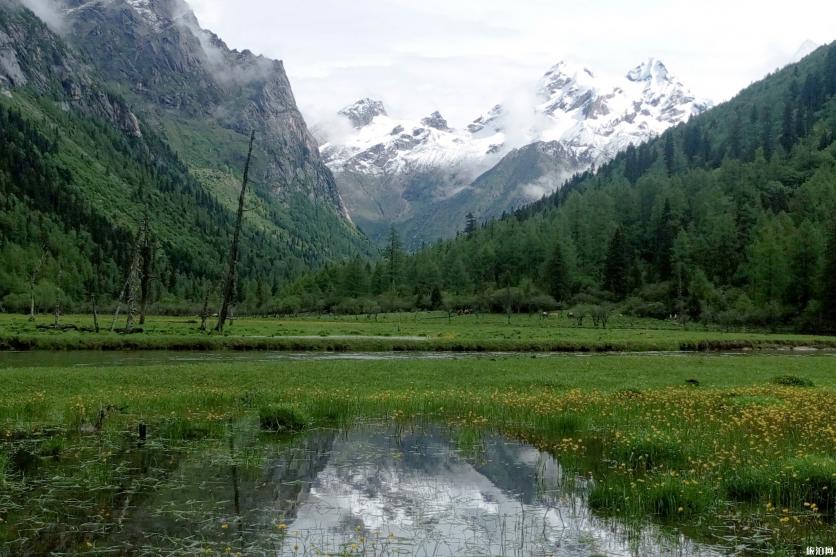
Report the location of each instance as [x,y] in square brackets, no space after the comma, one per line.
[282,418]
[791,381]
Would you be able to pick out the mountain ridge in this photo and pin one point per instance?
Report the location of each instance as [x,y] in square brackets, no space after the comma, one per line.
[109,138]
[384,157]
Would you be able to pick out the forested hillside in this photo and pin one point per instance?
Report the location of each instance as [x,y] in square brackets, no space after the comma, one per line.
[80,173]
[727,219]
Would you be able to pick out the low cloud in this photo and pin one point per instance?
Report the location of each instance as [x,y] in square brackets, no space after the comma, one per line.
[47,12]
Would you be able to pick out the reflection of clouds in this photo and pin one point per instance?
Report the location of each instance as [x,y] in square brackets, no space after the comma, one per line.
[417,489]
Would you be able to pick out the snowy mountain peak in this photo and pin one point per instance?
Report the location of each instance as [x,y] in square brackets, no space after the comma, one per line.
[806,48]
[394,169]
[651,70]
[564,75]
[566,87]
[437,121]
[157,14]
[362,112]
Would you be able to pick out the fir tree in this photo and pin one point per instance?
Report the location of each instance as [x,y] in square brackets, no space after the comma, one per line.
[557,274]
[470,224]
[617,266]
[828,295]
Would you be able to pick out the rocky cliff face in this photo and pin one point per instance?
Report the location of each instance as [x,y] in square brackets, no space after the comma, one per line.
[174,69]
[32,56]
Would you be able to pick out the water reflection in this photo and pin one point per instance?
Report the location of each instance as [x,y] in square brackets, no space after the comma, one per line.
[90,358]
[415,493]
[369,490]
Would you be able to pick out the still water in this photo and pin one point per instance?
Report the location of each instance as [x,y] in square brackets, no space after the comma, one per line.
[82,358]
[370,489]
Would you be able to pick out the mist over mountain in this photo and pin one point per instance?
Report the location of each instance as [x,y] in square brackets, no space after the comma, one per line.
[147,113]
[424,177]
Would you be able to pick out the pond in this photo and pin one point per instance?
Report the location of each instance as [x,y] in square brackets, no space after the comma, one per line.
[369,489]
[82,358]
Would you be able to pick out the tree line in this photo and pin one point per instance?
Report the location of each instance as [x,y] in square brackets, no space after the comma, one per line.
[726,219]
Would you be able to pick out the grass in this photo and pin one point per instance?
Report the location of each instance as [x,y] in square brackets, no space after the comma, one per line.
[739,450]
[281,418]
[398,332]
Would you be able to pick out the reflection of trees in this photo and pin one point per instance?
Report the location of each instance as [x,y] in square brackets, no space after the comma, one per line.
[249,483]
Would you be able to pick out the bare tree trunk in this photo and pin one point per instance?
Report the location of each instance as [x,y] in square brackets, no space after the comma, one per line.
[147,250]
[95,313]
[33,278]
[128,291]
[229,285]
[204,313]
[58,299]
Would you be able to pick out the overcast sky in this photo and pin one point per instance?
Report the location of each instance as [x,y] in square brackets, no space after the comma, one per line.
[463,56]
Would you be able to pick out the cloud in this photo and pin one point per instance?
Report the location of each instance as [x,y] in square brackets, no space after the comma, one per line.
[47,11]
[463,57]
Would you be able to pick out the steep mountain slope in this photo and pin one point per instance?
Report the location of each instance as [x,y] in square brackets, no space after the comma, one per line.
[427,172]
[84,157]
[186,78]
[726,219]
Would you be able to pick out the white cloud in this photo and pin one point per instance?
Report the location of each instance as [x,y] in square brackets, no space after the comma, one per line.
[463,56]
[46,12]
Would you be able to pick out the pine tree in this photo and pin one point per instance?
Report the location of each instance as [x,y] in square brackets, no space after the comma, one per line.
[828,295]
[557,274]
[470,224]
[665,235]
[393,256]
[670,153]
[617,265]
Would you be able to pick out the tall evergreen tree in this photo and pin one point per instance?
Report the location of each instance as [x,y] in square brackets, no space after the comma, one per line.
[617,266]
[557,273]
[666,232]
[470,224]
[393,256]
[828,295]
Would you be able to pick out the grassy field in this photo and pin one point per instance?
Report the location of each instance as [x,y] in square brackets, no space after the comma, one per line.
[408,331]
[741,458]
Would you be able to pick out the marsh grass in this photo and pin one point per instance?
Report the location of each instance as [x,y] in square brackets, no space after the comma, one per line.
[403,332]
[697,458]
[282,418]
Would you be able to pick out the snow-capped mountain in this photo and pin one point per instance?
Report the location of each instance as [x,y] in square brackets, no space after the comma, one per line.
[415,166]
[381,144]
[806,48]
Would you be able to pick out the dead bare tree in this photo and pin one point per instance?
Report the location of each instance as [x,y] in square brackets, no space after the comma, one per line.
[128,294]
[94,285]
[33,279]
[204,313]
[57,312]
[147,255]
[232,265]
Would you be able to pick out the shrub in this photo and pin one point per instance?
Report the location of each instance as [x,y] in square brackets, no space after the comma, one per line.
[791,381]
[282,418]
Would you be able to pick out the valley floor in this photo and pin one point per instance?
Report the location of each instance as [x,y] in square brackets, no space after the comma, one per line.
[735,450]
